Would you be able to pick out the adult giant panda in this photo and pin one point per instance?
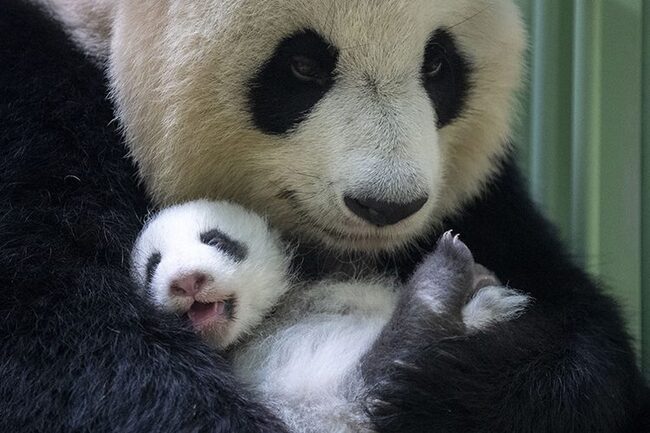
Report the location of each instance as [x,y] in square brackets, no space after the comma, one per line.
[362,129]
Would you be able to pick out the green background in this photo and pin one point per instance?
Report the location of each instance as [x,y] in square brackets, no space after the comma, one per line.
[584,137]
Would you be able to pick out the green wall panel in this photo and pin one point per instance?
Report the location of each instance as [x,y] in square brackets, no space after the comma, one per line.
[584,146]
[619,252]
[550,115]
[645,197]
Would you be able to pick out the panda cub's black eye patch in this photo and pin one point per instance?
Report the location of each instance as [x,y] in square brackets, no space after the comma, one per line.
[298,74]
[152,265]
[446,76]
[219,240]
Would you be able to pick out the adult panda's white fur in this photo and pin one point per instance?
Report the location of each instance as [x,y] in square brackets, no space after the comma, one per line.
[181,73]
[88,22]
[301,349]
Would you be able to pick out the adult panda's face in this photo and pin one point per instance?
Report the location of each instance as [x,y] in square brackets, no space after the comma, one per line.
[356,123]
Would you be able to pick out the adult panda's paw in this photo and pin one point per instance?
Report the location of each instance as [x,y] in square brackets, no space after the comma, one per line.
[216,263]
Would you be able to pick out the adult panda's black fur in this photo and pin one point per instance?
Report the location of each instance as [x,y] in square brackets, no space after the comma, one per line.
[564,366]
[80,352]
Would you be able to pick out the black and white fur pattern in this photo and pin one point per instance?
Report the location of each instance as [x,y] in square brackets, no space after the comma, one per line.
[410,101]
[195,96]
[240,261]
[311,351]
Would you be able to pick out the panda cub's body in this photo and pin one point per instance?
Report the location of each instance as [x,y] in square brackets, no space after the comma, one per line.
[308,349]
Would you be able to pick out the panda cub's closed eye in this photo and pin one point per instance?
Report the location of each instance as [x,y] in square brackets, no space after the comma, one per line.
[219,240]
[152,264]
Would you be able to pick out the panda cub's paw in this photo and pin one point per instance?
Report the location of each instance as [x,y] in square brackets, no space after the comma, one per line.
[450,278]
[444,280]
[215,262]
[492,304]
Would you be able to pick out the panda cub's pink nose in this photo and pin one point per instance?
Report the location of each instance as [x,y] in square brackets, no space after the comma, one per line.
[189,285]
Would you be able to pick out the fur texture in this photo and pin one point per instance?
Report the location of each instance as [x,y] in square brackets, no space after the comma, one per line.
[182,98]
[80,351]
[321,346]
[252,283]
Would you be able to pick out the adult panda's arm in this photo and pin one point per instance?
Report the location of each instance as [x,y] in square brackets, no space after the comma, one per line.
[79,351]
[566,365]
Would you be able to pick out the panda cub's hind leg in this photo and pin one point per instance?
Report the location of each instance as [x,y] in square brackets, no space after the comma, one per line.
[216,263]
[491,302]
[449,295]
[463,295]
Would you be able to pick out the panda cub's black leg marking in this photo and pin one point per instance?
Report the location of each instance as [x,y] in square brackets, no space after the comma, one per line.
[429,307]
[443,282]
[448,296]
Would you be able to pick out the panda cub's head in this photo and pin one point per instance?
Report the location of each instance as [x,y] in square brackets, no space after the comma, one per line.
[354,123]
[215,262]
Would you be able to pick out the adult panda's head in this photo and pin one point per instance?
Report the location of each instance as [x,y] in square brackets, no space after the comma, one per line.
[359,123]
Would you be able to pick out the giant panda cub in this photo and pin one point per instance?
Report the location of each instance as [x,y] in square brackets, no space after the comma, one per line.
[311,350]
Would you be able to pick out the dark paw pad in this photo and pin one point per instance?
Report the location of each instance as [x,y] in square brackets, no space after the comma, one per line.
[484,278]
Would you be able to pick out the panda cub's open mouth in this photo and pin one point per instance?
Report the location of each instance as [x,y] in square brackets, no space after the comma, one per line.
[209,314]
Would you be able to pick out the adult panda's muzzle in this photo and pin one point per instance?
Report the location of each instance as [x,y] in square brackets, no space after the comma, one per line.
[383,213]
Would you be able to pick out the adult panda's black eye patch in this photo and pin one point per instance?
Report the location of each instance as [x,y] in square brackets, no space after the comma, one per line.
[291,82]
[446,76]
[219,240]
[150,269]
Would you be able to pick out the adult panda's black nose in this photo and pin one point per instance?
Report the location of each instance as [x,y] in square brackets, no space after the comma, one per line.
[383,213]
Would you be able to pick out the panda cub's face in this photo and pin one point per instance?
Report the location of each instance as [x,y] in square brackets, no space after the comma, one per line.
[355,123]
[214,262]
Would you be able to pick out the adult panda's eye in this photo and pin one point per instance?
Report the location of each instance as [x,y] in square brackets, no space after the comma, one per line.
[445,73]
[434,69]
[288,86]
[308,70]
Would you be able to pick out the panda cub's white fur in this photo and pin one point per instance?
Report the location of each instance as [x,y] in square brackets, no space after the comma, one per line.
[253,284]
[299,346]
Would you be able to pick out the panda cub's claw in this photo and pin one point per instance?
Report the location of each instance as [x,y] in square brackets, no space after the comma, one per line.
[215,263]
[442,282]
[450,280]
[451,250]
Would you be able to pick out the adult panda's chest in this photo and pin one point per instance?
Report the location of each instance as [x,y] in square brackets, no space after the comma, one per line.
[311,346]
